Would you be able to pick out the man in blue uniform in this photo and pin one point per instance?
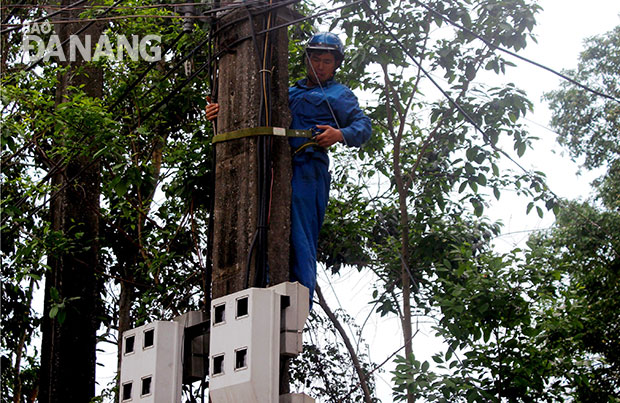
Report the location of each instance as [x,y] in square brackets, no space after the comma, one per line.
[318,103]
[331,109]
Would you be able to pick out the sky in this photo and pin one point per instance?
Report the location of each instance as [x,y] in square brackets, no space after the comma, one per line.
[561,29]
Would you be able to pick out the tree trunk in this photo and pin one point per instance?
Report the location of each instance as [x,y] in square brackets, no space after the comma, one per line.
[405,272]
[68,351]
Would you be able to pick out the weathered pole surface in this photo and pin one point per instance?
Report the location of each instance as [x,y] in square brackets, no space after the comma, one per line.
[236,171]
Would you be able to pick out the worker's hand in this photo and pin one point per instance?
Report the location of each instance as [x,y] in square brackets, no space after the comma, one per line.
[329,136]
[212,109]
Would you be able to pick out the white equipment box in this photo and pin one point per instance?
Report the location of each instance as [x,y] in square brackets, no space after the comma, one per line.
[249,331]
[151,368]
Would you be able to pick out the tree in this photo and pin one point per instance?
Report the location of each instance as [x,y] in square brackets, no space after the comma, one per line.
[583,248]
[588,124]
[151,247]
[70,314]
[409,206]
[429,150]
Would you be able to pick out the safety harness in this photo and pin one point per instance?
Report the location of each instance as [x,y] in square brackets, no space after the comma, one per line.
[270,131]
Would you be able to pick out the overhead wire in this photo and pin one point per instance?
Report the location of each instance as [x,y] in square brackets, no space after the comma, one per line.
[45,17]
[513,54]
[79,31]
[468,118]
[97,6]
[237,5]
[178,88]
[168,98]
[206,14]
[142,75]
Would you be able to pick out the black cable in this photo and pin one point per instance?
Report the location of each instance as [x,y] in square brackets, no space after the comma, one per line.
[10,13]
[84,28]
[287,24]
[182,85]
[144,73]
[59,166]
[77,3]
[492,45]
[265,162]
[178,64]
[248,262]
[260,241]
[213,11]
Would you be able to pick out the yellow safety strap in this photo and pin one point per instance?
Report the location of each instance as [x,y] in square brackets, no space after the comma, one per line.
[261,131]
[308,144]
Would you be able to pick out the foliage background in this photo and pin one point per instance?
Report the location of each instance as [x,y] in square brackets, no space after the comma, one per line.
[166,245]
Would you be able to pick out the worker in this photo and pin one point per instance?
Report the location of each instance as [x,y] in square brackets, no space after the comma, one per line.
[331,110]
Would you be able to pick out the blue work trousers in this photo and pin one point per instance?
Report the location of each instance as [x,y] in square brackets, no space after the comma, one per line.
[310,194]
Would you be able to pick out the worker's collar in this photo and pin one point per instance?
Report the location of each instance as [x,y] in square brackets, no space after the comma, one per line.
[303,83]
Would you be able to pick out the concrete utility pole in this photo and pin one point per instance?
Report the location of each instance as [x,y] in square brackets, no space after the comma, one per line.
[236,172]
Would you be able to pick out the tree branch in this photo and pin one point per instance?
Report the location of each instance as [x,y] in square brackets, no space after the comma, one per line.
[347,342]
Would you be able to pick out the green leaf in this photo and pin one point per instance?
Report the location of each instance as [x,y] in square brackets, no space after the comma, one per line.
[539,211]
[462,187]
[470,71]
[521,147]
[495,169]
[529,208]
[121,188]
[61,316]
[471,154]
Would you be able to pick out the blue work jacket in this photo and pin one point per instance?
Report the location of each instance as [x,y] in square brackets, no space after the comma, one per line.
[310,106]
